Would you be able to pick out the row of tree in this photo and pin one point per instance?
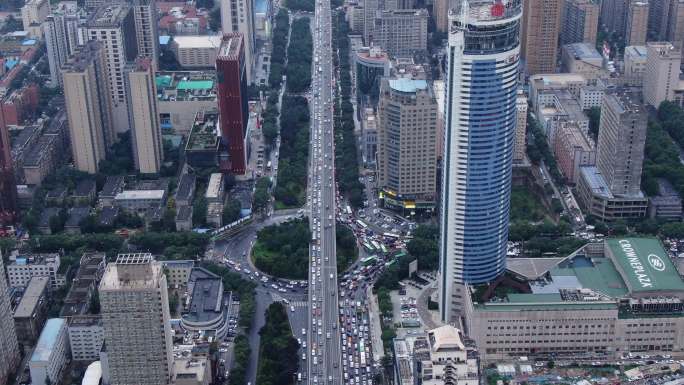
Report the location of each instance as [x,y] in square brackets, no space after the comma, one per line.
[300,5]
[241,354]
[538,148]
[279,44]
[240,287]
[346,155]
[661,154]
[347,250]
[299,55]
[180,245]
[294,152]
[283,250]
[279,350]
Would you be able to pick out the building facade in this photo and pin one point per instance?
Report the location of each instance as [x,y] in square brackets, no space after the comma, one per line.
[144,117]
[86,337]
[145,16]
[8,189]
[407,130]
[61,30]
[33,14]
[636,26]
[238,17]
[401,32]
[231,67]
[135,316]
[23,267]
[580,22]
[520,145]
[572,150]
[196,51]
[50,355]
[88,105]
[31,313]
[539,36]
[9,348]
[479,135]
[661,72]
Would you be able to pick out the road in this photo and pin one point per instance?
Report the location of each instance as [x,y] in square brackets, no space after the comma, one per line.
[323,345]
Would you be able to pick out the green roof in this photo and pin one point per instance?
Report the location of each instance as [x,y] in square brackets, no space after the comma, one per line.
[644,264]
[163,81]
[533,298]
[195,85]
[601,276]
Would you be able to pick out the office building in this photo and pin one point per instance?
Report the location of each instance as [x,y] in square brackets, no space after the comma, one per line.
[371,64]
[61,30]
[580,22]
[583,59]
[196,52]
[237,17]
[611,189]
[9,348]
[231,67]
[135,316]
[114,27]
[613,16]
[23,267]
[608,298]
[520,145]
[658,15]
[401,32]
[370,8]
[636,27]
[180,95]
[539,35]
[407,132]
[86,337]
[621,140]
[88,106]
[145,16]
[33,14]
[635,64]
[143,116]
[472,250]
[31,313]
[661,73]
[8,189]
[207,306]
[50,355]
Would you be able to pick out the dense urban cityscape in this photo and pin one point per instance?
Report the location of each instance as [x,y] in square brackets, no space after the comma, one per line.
[362,192]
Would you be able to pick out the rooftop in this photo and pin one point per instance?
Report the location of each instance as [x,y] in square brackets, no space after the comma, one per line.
[83,56]
[598,184]
[583,51]
[635,51]
[197,41]
[108,17]
[186,85]
[184,213]
[407,85]
[204,134]
[85,188]
[32,295]
[140,194]
[215,185]
[133,271]
[445,338]
[186,186]
[230,46]
[206,296]
[483,11]
[48,339]
[644,264]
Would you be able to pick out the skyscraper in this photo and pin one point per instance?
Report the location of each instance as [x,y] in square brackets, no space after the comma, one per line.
[482,80]
[661,73]
[539,36]
[613,14]
[401,32]
[9,347]
[114,26]
[580,21]
[621,140]
[636,26]
[143,116]
[61,39]
[8,188]
[232,92]
[88,106]
[238,16]
[407,127]
[146,28]
[135,316]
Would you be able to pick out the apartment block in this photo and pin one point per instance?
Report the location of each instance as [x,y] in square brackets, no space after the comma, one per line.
[50,355]
[33,14]
[580,22]
[31,313]
[539,36]
[401,32]
[23,267]
[86,337]
[9,348]
[143,116]
[520,145]
[661,74]
[636,27]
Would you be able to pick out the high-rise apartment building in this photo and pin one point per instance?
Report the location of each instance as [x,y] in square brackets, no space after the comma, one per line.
[520,145]
[146,28]
[9,347]
[440,12]
[636,27]
[8,187]
[580,21]
[539,36]
[661,73]
[33,14]
[621,140]
[231,69]
[135,315]
[114,26]
[613,14]
[674,32]
[370,7]
[658,14]
[61,30]
[401,32]
[88,105]
[143,116]
[407,133]
[238,16]
[481,89]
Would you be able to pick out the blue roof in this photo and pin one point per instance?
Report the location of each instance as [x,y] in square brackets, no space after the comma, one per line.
[164,40]
[407,85]
[47,340]
[10,63]
[29,42]
[260,6]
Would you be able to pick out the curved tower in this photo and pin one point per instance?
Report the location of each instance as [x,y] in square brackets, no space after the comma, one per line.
[482,80]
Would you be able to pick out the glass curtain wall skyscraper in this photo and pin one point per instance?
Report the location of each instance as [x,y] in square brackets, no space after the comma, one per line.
[482,79]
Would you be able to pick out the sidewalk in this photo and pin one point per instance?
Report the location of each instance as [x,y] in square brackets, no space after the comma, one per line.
[375,328]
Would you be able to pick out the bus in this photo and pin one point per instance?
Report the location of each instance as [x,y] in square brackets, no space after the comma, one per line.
[268,166]
[361,224]
[390,235]
[369,260]
[375,244]
[368,247]
[348,210]
[383,248]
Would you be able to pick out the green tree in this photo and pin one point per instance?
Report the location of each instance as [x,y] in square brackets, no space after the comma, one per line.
[231,211]
[199,212]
